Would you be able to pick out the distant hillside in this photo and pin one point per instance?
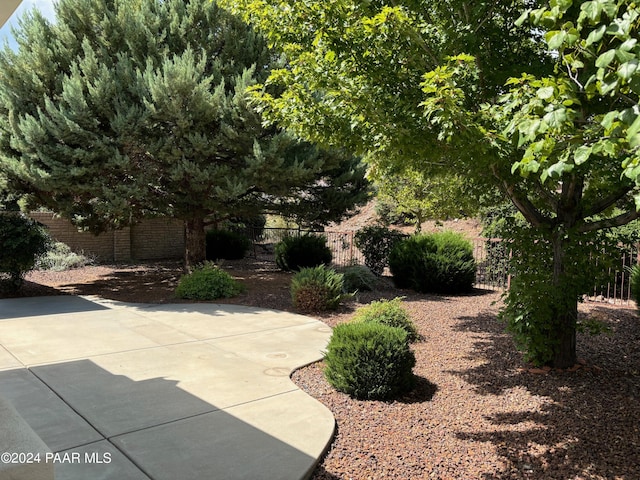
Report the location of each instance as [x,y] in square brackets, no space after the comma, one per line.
[367,216]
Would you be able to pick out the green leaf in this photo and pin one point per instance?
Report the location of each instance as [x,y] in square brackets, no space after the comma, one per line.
[608,85]
[606,58]
[582,154]
[555,39]
[523,18]
[545,93]
[558,169]
[595,36]
[633,130]
[624,56]
[591,10]
[556,118]
[626,70]
[628,44]
[609,118]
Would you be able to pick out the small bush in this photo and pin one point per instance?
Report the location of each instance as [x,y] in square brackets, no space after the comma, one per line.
[294,253]
[390,313]
[227,245]
[369,361]
[22,241]
[60,258]
[375,243]
[208,282]
[358,278]
[441,262]
[317,289]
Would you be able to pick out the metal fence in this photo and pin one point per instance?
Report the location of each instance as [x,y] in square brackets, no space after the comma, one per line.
[492,257]
[341,244]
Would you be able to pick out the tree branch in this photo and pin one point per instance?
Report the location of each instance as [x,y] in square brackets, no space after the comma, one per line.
[606,202]
[522,203]
[621,219]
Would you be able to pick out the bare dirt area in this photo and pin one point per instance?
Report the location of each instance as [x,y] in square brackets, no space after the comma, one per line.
[478,412]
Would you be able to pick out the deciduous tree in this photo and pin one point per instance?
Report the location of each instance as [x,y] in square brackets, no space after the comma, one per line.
[545,110]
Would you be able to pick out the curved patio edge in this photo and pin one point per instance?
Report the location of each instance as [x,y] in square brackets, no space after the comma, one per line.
[168,390]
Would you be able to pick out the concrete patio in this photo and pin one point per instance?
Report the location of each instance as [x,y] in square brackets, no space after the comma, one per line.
[188,391]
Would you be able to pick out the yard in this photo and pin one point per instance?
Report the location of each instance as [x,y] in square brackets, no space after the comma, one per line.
[478,412]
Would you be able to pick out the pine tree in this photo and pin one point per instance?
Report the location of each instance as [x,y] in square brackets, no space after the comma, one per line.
[121,110]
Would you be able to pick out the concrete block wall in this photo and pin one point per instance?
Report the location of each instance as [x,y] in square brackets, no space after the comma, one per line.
[151,239]
[157,238]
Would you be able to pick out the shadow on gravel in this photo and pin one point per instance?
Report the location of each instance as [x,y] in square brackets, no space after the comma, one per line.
[422,392]
[155,285]
[588,422]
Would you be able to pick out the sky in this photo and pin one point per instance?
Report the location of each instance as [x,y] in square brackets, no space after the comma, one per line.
[45,7]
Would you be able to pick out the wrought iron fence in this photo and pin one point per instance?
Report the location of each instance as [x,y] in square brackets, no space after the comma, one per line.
[342,244]
[491,254]
[617,289]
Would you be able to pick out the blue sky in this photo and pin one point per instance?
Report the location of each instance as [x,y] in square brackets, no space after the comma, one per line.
[45,6]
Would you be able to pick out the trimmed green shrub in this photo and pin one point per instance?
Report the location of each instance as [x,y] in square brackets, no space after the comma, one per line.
[358,278]
[317,289]
[375,243]
[208,282]
[390,313]
[226,244]
[60,258]
[369,361]
[294,253]
[440,262]
[22,241]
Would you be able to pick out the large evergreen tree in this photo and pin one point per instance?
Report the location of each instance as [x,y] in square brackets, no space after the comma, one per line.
[546,112]
[119,110]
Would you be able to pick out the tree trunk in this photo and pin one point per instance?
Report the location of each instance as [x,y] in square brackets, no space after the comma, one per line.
[565,354]
[566,309]
[195,242]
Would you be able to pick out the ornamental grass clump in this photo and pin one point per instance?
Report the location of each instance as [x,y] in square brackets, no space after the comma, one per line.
[60,257]
[317,289]
[369,361]
[390,313]
[359,278]
[208,282]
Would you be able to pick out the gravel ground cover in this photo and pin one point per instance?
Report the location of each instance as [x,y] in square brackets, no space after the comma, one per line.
[478,411]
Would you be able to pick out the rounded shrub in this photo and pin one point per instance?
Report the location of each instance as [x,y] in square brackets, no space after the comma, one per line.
[294,253]
[369,361]
[441,263]
[226,244]
[22,242]
[390,313]
[375,243]
[317,289]
[359,278]
[208,282]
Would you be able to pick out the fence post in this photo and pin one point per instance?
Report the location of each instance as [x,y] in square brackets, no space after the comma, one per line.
[509,274]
